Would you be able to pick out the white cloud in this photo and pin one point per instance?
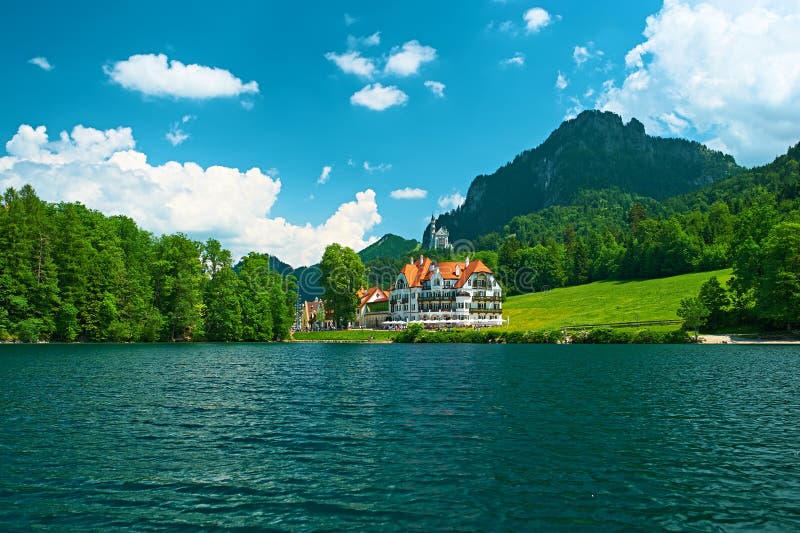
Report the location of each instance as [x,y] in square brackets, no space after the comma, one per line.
[377,97]
[353,63]
[381,167]
[176,135]
[407,60]
[436,87]
[41,62]
[451,201]
[574,110]
[561,81]
[517,60]
[536,18]
[366,41]
[727,73]
[349,20]
[325,175]
[409,194]
[581,55]
[155,75]
[103,170]
[248,105]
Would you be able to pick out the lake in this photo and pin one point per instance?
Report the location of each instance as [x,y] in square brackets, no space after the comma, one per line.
[470,437]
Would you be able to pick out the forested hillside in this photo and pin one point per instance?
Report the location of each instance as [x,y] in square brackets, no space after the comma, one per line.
[68,273]
[593,151]
[750,222]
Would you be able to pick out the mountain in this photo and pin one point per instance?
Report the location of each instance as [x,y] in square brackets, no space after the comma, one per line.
[595,150]
[389,245]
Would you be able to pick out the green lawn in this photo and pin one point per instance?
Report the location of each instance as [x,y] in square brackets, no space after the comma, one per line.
[346,335]
[605,302]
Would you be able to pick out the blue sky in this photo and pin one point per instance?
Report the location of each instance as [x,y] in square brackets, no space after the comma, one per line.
[404,103]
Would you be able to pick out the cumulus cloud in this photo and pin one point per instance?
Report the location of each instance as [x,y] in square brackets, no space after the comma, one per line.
[436,87]
[451,201]
[41,62]
[324,175]
[377,97]
[409,194]
[726,73]
[380,167]
[517,60]
[156,75]
[103,170]
[407,59]
[561,81]
[535,19]
[349,20]
[353,63]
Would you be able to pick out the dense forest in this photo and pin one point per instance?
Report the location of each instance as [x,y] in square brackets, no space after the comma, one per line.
[68,273]
[750,222]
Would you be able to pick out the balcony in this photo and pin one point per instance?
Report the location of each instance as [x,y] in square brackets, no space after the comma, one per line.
[475,310]
[484,298]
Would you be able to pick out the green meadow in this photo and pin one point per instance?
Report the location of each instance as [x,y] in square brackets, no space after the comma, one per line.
[605,302]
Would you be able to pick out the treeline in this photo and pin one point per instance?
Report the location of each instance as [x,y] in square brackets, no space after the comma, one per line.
[68,273]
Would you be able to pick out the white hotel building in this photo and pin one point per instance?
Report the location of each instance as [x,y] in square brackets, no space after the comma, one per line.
[449,293]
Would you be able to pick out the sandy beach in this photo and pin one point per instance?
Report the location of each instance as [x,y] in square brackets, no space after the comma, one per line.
[743,339]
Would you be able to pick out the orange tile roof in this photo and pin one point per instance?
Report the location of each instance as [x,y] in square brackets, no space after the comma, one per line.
[415,273]
[474,267]
[367,294]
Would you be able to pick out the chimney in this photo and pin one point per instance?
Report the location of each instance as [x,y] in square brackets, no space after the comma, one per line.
[411,260]
[466,262]
[421,258]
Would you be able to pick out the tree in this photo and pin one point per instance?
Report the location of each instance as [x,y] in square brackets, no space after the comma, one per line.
[693,313]
[178,278]
[255,297]
[778,294]
[343,274]
[714,297]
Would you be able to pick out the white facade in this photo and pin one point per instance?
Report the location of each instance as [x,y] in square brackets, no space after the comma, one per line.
[451,293]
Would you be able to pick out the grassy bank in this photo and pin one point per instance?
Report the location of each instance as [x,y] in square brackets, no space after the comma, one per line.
[350,335]
[605,302]
[642,335]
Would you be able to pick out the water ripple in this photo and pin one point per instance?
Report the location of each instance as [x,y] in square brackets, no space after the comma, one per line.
[332,437]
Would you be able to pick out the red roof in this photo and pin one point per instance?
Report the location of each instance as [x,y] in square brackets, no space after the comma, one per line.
[451,270]
[372,295]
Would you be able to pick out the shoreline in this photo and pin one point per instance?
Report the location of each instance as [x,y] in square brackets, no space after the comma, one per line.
[744,339]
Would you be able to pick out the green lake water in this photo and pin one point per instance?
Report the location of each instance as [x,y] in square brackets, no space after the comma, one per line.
[396,437]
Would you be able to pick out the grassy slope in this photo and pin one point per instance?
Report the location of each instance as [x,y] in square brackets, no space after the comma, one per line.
[605,301]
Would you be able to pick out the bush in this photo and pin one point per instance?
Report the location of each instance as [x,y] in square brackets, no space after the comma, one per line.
[29,330]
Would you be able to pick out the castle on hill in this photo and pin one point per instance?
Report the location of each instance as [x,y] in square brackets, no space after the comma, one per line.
[440,239]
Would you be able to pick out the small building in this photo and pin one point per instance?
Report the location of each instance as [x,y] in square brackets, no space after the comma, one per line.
[448,293]
[310,311]
[373,308]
